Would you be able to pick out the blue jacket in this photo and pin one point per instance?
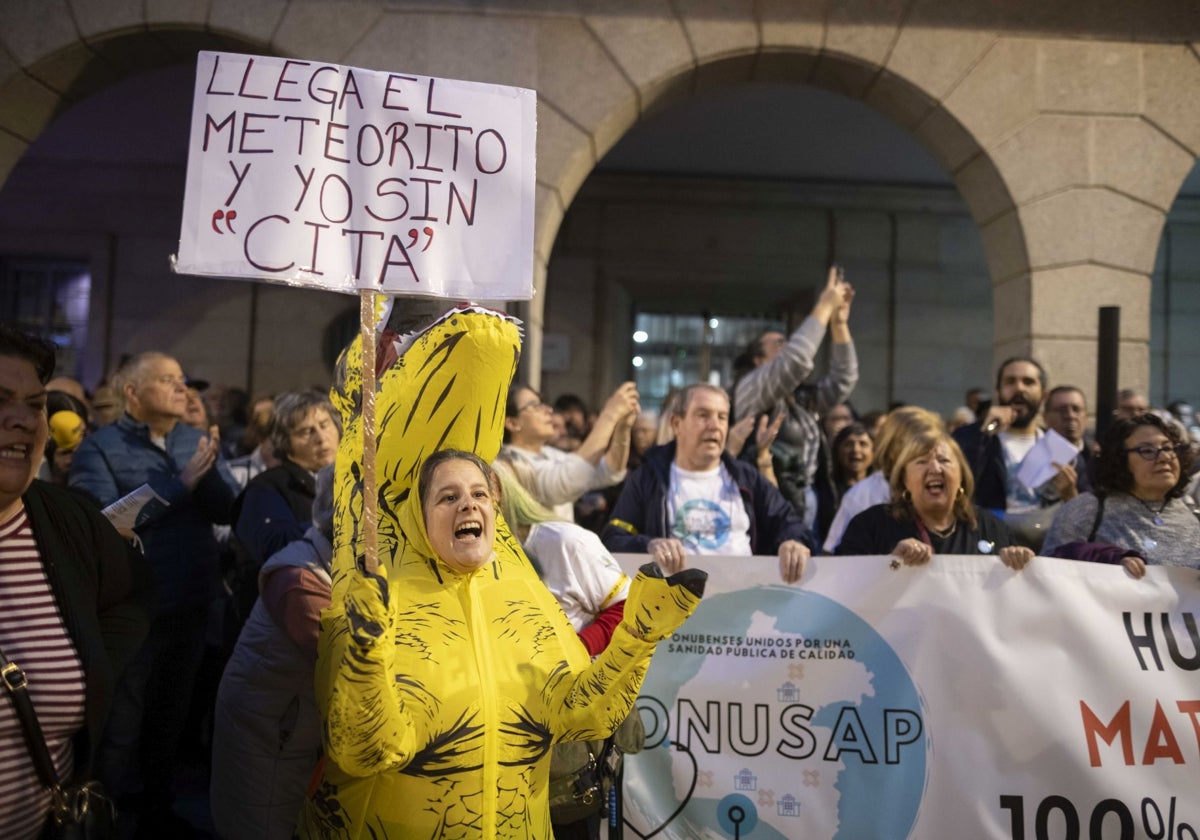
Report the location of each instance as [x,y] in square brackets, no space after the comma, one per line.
[177,537]
[274,510]
[641,513]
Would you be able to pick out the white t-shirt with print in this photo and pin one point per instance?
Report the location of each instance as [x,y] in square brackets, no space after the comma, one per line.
[577,569]
[706,512]
[1021,499]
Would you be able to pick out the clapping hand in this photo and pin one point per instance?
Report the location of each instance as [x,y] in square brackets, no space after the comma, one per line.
[200,463]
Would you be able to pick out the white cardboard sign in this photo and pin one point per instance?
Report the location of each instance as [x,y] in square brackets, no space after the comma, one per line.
[339,178]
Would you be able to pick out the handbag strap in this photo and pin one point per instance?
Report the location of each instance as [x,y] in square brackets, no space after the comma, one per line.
[14,680]
[1096,522]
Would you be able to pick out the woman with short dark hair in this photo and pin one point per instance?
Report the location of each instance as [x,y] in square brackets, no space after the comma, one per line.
[1141,476]
[276,506]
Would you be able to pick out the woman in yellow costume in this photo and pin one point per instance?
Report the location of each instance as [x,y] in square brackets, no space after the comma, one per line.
[445,678]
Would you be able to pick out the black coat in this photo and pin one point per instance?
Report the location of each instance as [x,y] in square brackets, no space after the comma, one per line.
[104,590]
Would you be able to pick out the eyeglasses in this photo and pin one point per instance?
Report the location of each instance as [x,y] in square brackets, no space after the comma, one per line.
[536,405]
[1150,453]
[170,381]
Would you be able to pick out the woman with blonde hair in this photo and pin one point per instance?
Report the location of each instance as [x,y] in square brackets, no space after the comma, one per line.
[930,511]
[899,426]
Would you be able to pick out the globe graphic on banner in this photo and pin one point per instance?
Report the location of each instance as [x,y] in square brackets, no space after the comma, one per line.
[777,713]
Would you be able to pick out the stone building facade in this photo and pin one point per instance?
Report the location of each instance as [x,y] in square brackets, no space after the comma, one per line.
[1067,128]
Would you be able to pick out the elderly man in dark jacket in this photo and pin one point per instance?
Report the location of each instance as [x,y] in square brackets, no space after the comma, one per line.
[690,497]
[189,489]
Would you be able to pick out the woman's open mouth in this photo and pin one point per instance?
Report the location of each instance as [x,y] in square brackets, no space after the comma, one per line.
[15,451]
[470,531]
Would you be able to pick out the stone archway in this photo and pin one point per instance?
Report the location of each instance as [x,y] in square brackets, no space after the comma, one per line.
[1067,137]
[1068,151]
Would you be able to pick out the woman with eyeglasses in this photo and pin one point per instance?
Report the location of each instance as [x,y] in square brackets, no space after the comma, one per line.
[1141,475]
[555,478]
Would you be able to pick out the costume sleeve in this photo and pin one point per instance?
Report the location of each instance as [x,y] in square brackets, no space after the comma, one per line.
[265,522]
[591,704]
[294,598]
[837,385]
[761,388]
[368,727]
[1072,523]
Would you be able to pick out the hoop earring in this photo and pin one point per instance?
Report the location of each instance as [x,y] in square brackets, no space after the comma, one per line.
[906,496]
[961,491]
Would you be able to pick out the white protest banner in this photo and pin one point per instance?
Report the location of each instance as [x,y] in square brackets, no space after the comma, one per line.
[339,178]
[956,700]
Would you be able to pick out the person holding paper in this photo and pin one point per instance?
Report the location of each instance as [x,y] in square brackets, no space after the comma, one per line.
[77,598]
[149,445]
[1137,504]
[1066,413]
[930,511]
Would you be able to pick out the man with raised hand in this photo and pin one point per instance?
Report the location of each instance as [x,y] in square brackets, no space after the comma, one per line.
[772,386]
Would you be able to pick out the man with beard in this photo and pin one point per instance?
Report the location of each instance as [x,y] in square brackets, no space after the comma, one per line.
[690,497]
[997,443]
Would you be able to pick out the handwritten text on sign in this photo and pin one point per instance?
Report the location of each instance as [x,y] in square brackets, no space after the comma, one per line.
[340,178]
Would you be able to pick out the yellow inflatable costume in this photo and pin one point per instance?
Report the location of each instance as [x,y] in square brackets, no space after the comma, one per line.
[443,692]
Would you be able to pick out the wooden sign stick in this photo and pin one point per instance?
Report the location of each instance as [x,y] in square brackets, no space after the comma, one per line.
[370,495]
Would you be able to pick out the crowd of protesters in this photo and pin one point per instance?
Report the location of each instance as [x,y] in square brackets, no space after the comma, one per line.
[223,523]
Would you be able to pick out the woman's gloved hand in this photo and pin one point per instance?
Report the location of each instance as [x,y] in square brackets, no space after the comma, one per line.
[657,606]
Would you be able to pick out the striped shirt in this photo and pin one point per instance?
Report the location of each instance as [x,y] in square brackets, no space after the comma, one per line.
[32,635]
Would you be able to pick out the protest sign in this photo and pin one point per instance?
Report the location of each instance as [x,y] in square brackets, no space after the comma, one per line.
[958,699]
[338,178]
